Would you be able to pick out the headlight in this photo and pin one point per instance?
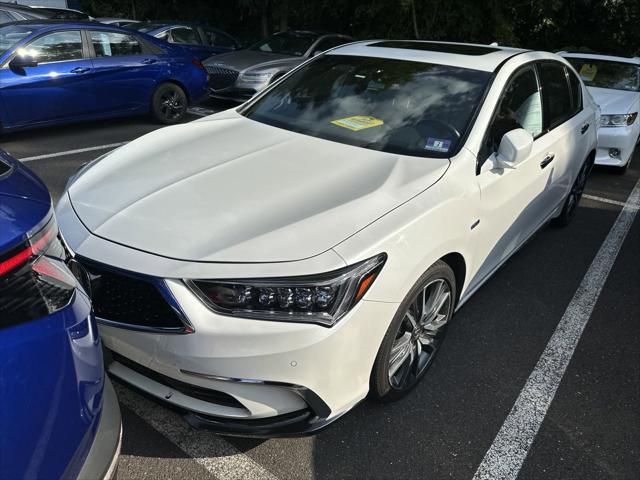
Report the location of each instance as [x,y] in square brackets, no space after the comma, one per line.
[322,299]
[619,120]
[256,77]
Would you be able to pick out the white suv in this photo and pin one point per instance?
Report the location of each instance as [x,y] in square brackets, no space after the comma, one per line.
[267,267]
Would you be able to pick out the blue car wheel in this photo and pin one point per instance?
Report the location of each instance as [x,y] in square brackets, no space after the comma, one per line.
[169,104]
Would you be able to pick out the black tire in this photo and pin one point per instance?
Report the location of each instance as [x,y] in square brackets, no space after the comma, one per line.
[169,104]
[573,198]
[386,386]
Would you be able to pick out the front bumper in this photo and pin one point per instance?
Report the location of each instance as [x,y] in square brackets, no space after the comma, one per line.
[623,139]
[102,460]
[251,377]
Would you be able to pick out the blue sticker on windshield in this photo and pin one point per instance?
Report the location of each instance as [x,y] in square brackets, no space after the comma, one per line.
[437,145]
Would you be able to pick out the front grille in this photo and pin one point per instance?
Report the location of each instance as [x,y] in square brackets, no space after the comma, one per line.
[194,391]
[220,77]
[128,300]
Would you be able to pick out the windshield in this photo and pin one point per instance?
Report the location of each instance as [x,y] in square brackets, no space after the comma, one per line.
[396,106]
[10,35]
[285,44]
[607,74]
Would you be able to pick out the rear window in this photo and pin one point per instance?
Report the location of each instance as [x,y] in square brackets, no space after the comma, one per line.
[396,106]
[113,44]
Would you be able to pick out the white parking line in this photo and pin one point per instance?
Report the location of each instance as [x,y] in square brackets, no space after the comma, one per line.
[72,152]
[604,200]
[506,455]
[215,454]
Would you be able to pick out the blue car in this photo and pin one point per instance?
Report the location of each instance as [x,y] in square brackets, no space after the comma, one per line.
[53,73]
[59,416]
[201,40]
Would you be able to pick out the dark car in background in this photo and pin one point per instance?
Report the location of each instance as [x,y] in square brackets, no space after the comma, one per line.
[239,75]
[63,72]
[59,415]
[202,40]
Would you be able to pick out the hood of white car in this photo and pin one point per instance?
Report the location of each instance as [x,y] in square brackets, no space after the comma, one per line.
[230,189]
[613,102]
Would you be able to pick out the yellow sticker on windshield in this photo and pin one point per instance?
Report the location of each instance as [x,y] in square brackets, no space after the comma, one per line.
[358,122]
[588,72]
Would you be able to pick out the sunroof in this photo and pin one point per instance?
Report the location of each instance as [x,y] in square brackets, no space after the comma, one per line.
[456,48]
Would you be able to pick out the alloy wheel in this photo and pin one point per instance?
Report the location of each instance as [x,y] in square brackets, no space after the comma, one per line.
[171,105]
[420,334]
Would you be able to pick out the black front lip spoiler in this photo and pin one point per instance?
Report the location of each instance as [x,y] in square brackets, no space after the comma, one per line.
[297,424]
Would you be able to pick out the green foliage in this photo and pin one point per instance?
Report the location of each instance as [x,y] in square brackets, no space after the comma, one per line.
[609,26]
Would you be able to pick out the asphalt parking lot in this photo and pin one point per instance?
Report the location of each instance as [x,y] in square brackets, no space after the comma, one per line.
[443,429]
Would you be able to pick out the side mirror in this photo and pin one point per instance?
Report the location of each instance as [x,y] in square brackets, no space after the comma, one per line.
[22,61]
[515,147]
[316,53]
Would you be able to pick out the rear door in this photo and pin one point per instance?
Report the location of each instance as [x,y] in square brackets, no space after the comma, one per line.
[126,70]
[59,87]
[567,124]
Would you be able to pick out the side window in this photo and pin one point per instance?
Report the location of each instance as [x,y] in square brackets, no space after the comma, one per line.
[519,106]
[184,35]
[555,93]
[576,92]
[57,47]
[112,44]
[218,39]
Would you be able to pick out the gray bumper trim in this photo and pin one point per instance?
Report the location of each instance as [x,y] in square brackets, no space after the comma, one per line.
[102,459]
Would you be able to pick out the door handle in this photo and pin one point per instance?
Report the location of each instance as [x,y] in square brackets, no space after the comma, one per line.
[584,128]
[80,70]
[547,160]
[149,61]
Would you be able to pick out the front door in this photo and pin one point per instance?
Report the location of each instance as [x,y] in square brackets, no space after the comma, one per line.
[514,201]
[60,86]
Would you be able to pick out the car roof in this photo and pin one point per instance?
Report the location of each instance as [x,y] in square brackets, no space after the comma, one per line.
[599,56]
[47,24]
[465,55]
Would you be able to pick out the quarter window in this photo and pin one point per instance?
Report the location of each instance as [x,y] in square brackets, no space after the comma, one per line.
[112,44]
[57,47]
[556,94]
[184,35]
[519,107]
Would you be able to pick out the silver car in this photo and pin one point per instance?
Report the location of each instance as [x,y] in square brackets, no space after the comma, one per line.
[239,75]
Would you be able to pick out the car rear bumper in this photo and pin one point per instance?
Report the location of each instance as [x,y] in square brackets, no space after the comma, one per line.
[102,460]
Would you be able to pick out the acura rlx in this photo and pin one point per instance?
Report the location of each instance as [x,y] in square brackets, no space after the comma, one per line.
[268,267]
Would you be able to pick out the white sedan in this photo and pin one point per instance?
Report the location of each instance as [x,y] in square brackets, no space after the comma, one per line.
[614,83]
[268,267]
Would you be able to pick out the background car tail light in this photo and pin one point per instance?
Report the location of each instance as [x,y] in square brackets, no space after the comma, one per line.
[322,299]
[34,280]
